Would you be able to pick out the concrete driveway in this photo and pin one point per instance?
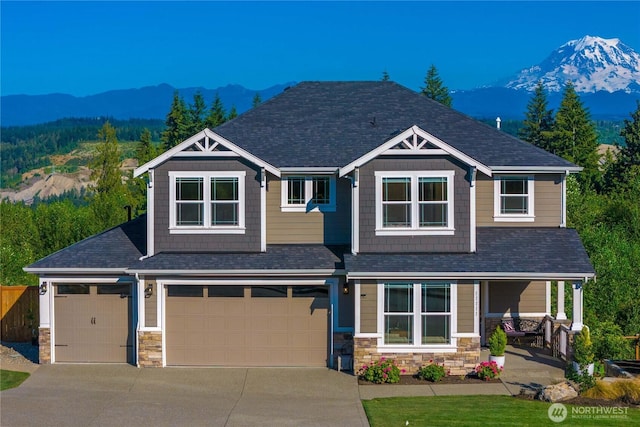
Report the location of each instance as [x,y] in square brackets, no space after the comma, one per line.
[122,395]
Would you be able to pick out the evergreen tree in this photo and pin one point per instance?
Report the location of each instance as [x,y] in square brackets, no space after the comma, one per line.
[434,87]
[233,113]
[197,114]
[385,76]
[145,150]
[538,122]
[105,166]
[177,123]
[257,100]
[625,170]
[216,115]
[574,136]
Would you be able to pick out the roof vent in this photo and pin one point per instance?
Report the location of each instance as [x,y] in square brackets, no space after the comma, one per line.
[498,122]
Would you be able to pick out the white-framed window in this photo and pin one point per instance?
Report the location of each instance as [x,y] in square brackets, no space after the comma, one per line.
[418,314]
[513,198]
[207,202]
[308,193]
[413,203]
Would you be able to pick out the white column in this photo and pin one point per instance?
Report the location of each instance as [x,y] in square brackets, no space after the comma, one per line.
[577,307]
[561,315]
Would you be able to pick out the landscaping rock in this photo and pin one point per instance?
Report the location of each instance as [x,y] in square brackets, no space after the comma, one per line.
[557,392]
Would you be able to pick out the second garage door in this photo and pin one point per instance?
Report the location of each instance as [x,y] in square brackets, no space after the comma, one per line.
[247,325]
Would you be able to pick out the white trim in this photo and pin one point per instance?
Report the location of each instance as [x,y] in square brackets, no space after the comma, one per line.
[367,335]
[563,202]
[485,310]
[409,349]
[534,169]
[309,170]
[242,273]
[142,325]
[547,305]
[151,214]
[308,205]
[560,314]
[415,228]
[498,216]
[355,212]
[45,304]
[206,201]
[207,154]
[219,140]
[476,308]
[448,275]
[263,210]
[472,210]
[516,314]
[356,307]
[414,130]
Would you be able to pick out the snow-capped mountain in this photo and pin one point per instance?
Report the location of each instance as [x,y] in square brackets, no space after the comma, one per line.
[593,64]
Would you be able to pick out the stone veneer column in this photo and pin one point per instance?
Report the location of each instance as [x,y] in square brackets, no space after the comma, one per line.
[44,346]
[150,349]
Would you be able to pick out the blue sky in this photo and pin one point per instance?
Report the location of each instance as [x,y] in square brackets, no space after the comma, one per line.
[83,48]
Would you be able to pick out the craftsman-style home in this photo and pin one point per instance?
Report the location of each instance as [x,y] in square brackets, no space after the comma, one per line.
[337,218]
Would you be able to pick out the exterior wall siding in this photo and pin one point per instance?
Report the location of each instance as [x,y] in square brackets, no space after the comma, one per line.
[462,362]
[507,297]
[465,307]
[327,228]
[151,305]
[547,196]
[369,242]
[368,307]
[248,242]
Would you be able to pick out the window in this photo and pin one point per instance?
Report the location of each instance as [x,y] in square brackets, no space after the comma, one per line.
[206,202]
[226,291]
[513,198]
[308,193]
[417,314]
[411,203]
[268,292]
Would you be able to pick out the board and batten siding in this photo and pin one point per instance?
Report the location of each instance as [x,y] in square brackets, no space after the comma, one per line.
[510,297]
[194,242]
[368,307]
[329,228]
[547,199]
[465,307]
[459,242]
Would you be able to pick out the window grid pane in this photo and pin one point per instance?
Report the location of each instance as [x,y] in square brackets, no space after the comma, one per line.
[321,191]
[398,329]
[295,191]
[436,313]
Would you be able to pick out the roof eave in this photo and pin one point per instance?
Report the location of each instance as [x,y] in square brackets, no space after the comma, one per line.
[241,273]
[389,275]
[536,169]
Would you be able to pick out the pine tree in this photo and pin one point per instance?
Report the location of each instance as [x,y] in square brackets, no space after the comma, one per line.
[177,123]
[145,150]
[538,122]
[434,87]
[216,115]
[197,114]
[385,76]
[574,136]
[233,113]
[105,166]
[257,100]
[625,170]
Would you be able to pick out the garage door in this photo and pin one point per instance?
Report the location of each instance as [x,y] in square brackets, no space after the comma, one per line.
[247,325]
[92,323]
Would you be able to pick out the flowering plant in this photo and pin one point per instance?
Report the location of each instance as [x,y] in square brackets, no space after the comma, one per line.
[433,372]
[488,370]
[381,371]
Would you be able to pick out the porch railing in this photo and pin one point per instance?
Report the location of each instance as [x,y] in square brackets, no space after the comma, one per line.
[557,336]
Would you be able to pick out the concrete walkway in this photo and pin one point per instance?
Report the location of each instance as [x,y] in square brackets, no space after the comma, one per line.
[122,395]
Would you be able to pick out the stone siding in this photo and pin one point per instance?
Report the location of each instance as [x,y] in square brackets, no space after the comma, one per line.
[44,343]
[150,349]
[462,362]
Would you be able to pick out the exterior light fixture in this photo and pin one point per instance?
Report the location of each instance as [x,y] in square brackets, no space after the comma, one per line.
[148,291]
[43,288]
[345,288]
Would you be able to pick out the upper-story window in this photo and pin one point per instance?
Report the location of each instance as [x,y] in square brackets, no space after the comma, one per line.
[411,203]
[513,199]
[206,202]
[308,193]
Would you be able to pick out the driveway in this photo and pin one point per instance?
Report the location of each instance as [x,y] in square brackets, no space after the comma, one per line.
[122,395]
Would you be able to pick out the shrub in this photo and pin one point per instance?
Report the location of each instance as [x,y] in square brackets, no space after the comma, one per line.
[583,349]
[381,371]
[584,380]
[498,342]
[432,372]
[609,342]
[488,370]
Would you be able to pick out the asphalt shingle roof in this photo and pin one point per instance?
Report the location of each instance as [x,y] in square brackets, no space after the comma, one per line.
[499,250]
[116,248]
[330,124]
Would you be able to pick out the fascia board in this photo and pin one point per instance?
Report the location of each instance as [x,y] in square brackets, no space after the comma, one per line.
[479,276]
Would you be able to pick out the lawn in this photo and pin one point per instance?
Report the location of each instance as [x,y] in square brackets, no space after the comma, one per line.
[482,411]
[11,379]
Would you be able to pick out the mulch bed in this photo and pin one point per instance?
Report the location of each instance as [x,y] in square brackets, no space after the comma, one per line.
[449,379]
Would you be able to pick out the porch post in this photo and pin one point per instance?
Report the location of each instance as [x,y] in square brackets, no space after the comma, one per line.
[561,315]
[577,307]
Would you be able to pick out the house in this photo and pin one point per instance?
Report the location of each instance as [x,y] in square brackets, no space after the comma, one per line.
[355,218]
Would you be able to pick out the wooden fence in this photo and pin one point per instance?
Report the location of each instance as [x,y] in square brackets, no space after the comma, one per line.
[19,313]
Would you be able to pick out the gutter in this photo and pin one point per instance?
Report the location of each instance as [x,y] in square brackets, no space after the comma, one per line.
[469,275]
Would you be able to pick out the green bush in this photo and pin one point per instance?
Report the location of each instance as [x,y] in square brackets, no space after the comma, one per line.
[498,342]
[583,348]
[432,372]
[381,371]
[609,342]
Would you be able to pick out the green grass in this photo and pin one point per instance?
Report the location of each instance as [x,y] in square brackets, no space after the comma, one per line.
[11,379]
[478,411]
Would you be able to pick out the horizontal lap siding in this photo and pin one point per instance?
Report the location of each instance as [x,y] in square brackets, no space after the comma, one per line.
[151,305]
[308,227]
[465,307]
[517,297]
[369,242]
[547,197]
[247,242]
[368,307]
